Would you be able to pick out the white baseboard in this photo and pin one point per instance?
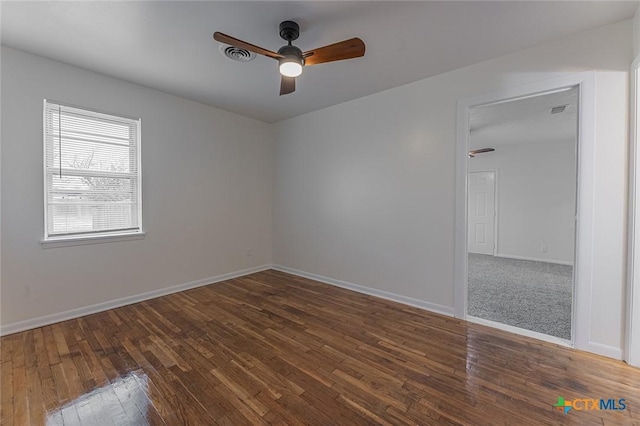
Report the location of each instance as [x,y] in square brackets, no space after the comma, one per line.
[604,350]
[18,326]
[5,329]
[535,259]
[633,356]
[417,303]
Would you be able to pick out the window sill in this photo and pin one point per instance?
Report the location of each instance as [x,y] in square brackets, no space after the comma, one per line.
[80,241]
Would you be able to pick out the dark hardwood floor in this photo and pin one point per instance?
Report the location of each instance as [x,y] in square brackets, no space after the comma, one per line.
[275,348]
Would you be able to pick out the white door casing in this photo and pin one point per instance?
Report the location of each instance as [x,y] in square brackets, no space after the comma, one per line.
[482,211]
[632,355]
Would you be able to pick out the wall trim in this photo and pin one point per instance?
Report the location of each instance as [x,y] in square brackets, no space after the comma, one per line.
[18,326]
[604,350]
[535,259]
[416,303]
[632,337]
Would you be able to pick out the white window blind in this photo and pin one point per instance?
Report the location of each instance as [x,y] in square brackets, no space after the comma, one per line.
[91,173]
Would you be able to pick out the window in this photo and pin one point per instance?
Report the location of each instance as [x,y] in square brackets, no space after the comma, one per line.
[91,174]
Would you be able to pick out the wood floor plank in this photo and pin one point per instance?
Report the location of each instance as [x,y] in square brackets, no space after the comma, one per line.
[272,348]
[6,380]
[20,385]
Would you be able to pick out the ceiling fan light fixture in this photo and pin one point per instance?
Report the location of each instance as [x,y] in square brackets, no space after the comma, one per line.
[291,61]
[290,67]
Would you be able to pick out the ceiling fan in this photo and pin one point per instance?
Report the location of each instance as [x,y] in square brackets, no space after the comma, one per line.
[475,152]
[291,59]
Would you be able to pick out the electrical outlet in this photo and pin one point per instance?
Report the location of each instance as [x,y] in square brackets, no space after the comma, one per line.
[543,248]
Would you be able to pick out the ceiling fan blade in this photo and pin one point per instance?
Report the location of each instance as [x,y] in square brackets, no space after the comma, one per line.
[347,49]
[223,38]
[287,85]
[481,150]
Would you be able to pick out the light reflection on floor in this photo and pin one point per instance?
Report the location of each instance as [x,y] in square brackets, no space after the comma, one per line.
[124,401]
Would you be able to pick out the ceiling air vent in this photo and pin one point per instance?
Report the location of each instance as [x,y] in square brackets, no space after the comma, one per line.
[237,54]
[558,109]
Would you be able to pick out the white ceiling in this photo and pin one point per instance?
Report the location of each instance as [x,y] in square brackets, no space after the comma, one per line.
[168,45]
[525,121]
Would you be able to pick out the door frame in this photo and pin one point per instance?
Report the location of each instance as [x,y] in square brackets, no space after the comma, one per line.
[583,254]
[632,343]
[495,206]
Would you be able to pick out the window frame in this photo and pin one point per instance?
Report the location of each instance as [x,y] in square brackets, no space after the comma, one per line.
[101,236]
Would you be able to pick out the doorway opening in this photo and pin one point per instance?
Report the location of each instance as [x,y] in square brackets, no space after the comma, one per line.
[584,250]
[521,246]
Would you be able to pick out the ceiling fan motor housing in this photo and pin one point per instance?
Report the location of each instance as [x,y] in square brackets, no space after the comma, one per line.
[289,30]
[291,52]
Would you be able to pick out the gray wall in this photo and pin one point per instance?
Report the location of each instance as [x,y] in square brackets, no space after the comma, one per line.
[365,191]
[536,193]
[206,174]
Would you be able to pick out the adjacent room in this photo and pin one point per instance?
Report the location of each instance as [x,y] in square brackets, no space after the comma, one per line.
[315,213]
[522,211]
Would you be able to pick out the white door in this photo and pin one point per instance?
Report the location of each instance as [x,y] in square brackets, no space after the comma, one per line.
[482,210]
